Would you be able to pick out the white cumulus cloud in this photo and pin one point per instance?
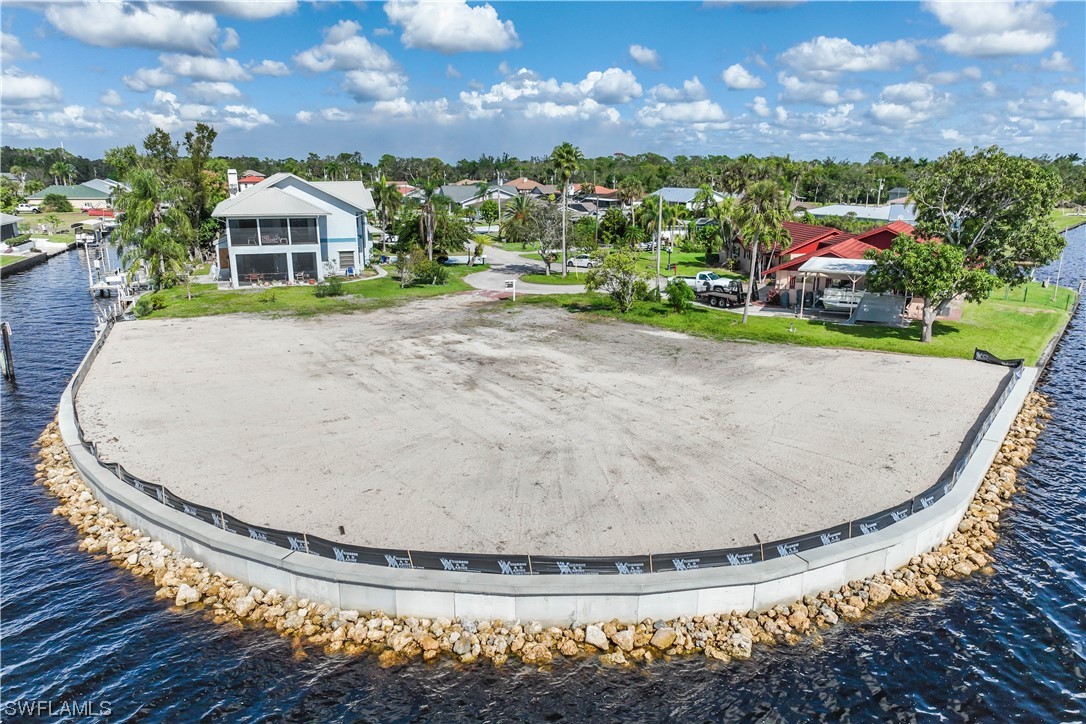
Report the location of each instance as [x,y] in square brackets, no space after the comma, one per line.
[248,9]
[692,90]
[646,57]
[796,90]
[230,40]
[369,85]
[452,26]
[139,25]
[11,49]
[737,77]
[213,91]
[24,89]
[1060,104]
[144,79]
[761,108]
[1057,62]
[908,104]
[344,49]
[695,113]
[111,98]
[195,66]
[835,55]
[611,86]
[995,27]
[269,67]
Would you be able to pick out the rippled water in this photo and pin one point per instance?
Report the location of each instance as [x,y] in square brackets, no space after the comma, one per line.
[76,629]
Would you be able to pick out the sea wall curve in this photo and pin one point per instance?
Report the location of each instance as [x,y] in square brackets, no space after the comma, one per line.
[558,599]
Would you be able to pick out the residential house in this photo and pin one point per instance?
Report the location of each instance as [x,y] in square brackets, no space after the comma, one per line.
[250,178]
[286,229]
[9,226]
[884,213]
[601,196]
[682,196]
[106,184]
[469,197]
[523,185]
[79,196]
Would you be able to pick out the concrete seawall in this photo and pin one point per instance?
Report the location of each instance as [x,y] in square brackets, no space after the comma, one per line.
[23,264]
[548,599]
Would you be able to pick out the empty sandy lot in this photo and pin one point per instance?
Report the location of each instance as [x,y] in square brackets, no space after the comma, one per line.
[456,424]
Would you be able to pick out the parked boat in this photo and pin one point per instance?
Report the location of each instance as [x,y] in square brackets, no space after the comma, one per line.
[841,300]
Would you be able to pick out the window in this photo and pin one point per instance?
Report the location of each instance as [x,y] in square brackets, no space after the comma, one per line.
[243,232]
[346,259]
[273,231]
[303,231]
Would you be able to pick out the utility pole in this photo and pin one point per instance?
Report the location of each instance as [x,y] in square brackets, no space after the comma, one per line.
[659,238]
[878,199]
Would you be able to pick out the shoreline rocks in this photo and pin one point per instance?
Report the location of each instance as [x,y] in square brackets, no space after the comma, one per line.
[397,640]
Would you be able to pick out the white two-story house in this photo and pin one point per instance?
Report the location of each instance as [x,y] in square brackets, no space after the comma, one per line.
[285,229]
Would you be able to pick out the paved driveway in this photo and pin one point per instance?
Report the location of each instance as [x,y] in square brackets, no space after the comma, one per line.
[509,265]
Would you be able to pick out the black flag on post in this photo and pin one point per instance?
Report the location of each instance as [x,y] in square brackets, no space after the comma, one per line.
[982,355]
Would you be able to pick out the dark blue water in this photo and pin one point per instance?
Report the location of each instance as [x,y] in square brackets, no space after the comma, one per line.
[77,629]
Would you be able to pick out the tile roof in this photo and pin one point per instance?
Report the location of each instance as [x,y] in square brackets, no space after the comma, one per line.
[848,248]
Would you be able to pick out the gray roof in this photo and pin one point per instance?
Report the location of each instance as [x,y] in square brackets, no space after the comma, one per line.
[79,191]
[105,184]
[676,195]
[6,219]
[886,212]
[463,194]
[267,201]
[353,192]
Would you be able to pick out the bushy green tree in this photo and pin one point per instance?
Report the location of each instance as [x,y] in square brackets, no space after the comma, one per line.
[56,202]
[619,276]
[154,231]
[990,213]
[488,210]
[680,296]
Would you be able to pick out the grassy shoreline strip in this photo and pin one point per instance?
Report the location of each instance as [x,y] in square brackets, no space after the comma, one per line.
[1019,326]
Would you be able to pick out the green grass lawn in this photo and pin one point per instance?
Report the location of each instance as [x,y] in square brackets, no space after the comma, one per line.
[1008,328]
[6,259]
[556,278]
[1062,219]
[689,263]
[207,299]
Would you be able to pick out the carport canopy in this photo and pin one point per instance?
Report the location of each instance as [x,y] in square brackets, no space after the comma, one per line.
[851,269]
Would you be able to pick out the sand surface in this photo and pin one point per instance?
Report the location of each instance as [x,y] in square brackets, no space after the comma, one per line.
[453,424]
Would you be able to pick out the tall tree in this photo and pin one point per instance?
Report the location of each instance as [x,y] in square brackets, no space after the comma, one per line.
[630,189]
[197,184]
[764,210]
[388,200]
[154,230]
[724,233]
[161,151]
[995,208]
[566,158]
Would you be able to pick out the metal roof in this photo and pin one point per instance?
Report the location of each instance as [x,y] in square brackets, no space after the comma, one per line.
[79,191]
[886,212]
[354,193]
[6,219]
[266,201]
[845,268]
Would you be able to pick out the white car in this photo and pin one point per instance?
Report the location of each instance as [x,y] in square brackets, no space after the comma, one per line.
[27,209]
[582,260]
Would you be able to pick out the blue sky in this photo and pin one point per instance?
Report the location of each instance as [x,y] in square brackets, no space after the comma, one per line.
[454,79]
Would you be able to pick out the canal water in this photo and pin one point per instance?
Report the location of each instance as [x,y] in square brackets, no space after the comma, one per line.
[78,631]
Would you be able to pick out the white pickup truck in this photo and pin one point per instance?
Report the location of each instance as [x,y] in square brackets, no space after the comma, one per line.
[705,281]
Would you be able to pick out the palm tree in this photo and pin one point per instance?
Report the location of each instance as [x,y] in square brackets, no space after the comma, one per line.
[517,219]
[629,190]
[565,158]
[388,200]
[704,200]
[726,231]
[429,189]
[332,168]
[57,172]
[764,209]
[155,230]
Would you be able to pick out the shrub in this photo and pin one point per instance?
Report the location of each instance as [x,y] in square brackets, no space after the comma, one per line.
[56,202]
[267,297]
[680,296]
[429,271]
[329,287]
[148,303]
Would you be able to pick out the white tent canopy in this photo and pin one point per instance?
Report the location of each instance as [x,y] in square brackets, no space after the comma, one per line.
[852,269]
[837,268]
